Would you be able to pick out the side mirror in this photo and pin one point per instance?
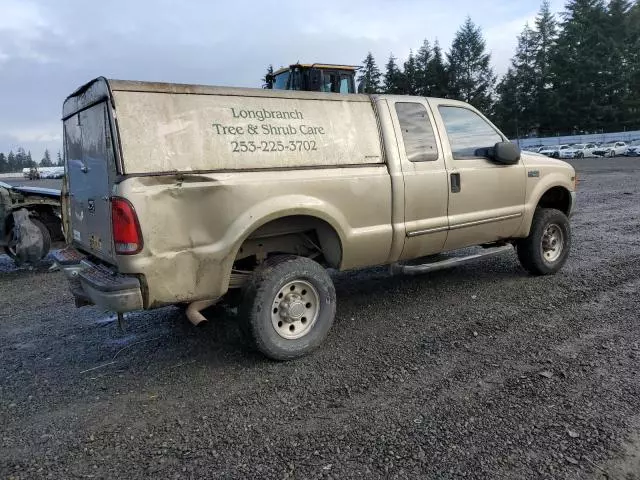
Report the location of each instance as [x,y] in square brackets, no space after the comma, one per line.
[506,153]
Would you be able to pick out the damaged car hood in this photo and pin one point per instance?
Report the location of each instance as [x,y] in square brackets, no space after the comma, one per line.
[47,192]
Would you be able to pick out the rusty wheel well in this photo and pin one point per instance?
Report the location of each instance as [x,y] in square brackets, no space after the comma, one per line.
[558,198]
[302,235]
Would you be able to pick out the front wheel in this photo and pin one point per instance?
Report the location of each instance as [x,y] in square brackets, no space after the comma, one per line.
[11,248]
[547,247]
[289,306]
[612,154]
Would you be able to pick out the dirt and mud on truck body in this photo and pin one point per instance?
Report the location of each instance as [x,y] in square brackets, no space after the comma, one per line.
[178,194]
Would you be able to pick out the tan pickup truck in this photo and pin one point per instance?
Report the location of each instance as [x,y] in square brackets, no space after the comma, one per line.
[178,194]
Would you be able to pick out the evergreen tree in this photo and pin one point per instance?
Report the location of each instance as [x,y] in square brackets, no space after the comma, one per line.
[392,77]
[21,159]
[4,166]
[410,76]
[267,80]
[30,162]
[437,76]
[46,159]
[11,162]
[525,80]
[59,161]
[546,33]
[577,68]
[633,62]
[423,57]
[369,76]
[507,113]
[617,33]
[471,77]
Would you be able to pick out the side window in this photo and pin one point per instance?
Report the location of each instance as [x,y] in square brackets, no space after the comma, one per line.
[417,132]
[467,132]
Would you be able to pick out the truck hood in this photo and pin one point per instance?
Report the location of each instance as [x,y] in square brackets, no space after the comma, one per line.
[531,159]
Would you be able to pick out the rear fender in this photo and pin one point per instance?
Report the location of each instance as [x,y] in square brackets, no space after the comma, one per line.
[273,209]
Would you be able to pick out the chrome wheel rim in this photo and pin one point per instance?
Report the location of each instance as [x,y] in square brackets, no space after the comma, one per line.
[295,309]
[552,243]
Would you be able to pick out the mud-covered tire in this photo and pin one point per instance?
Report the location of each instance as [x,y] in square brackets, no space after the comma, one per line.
[538,253]
[270,315]
[46,239]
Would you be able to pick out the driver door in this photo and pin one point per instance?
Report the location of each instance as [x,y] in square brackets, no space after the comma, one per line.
[486,199]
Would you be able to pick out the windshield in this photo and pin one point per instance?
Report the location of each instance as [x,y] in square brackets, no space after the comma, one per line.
[281,81]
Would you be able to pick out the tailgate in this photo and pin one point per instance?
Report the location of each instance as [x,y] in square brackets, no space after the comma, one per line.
[91,171]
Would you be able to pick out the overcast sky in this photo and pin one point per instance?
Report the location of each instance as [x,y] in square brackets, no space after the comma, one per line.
[48,48]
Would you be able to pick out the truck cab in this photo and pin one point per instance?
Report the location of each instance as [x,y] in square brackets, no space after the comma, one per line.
[315,78]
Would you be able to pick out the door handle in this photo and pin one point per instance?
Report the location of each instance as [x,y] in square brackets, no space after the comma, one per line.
[455,182]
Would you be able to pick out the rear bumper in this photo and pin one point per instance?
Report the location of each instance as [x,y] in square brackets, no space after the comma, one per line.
[97,285]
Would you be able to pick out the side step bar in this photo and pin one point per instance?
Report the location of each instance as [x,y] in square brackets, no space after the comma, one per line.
[397,268]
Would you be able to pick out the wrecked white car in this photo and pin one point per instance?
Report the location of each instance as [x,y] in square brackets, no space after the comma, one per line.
[30,221]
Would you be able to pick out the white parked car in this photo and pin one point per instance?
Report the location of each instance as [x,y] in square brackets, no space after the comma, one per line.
[611,149]
[566,151]
[549,151]
[633,149]
[584,150]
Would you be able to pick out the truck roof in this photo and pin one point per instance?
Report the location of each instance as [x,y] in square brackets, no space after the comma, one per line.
[100,89]
[317,65]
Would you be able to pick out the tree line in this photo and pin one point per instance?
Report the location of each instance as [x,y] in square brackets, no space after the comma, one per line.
[573,73]
[16,162]
[579,73]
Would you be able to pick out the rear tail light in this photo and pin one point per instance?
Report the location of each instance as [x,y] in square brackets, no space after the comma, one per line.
[126,229]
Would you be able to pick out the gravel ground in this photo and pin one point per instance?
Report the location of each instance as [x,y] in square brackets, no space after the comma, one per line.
[477,372]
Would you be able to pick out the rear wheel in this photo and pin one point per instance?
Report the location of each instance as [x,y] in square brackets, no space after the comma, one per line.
[288,307]
[547,247]
[10,249]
